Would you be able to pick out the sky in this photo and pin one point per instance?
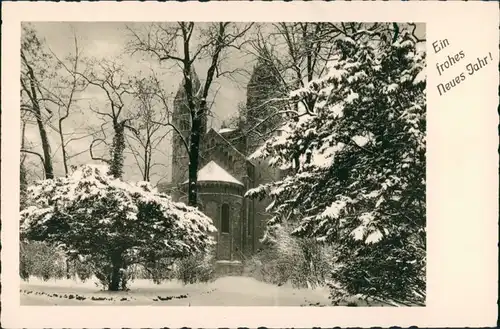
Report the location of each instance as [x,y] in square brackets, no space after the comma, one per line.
[102,40]
[108,40]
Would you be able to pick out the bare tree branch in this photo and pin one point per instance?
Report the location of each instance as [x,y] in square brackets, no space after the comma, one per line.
[98,140]
[42,160]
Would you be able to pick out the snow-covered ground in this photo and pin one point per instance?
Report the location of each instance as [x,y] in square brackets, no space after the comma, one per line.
[226,291]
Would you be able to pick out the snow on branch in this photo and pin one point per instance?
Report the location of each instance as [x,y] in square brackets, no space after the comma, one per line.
[110,214]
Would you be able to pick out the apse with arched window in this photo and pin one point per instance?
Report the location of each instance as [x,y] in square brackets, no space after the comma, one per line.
[224,222]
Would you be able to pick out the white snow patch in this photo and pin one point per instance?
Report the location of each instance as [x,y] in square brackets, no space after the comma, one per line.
[322,160]
[374,237]
[392,87]
[352,97]
[225,291]
[421,76]
[256,154]
[337,109]
[358,233]
[334,210]
[360,140]
[226,130]
[228,262]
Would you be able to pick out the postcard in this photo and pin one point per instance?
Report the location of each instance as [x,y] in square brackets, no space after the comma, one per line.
[249,164]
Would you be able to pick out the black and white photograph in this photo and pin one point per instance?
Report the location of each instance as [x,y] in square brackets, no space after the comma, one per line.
[223,164]
[249,164]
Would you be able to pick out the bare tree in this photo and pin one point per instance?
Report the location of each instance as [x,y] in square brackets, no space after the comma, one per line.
[35,63]
[23,182]
[49,90]
[176,42]
[64,97]
[295,54]
[152,116]
[290,56]
[27,151]
[111,79]
[299,52]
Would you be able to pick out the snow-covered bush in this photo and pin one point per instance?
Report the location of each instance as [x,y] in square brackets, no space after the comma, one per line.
[158,270]
[357,158]
[82,270]
[112,224]
[303,262]
[41,260]
[200,267]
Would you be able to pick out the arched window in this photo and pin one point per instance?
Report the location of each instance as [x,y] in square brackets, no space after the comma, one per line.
[224,220]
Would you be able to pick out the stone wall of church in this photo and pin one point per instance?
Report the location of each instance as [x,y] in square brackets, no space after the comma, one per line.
[248,217]
[263,174]
[229,244]
[254,216]
[212,197]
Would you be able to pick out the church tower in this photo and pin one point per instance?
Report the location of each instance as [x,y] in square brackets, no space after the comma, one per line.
[264,85]
[181,119]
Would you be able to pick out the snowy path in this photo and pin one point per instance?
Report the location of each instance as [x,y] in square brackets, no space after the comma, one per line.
[227,291]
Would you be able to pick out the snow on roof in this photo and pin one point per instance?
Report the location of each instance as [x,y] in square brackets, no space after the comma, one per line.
[212,172]
[226,130]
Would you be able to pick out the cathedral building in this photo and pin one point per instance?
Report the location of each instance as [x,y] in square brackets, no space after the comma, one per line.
[225,174]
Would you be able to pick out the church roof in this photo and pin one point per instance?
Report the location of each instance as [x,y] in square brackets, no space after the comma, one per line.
[212,172]
[221,136]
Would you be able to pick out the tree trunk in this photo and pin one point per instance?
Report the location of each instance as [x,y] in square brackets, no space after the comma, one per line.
[115,282]
[116,165]
[63,145]
[194,156]
[47,157]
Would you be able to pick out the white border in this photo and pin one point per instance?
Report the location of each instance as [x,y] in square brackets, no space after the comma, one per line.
[462,176]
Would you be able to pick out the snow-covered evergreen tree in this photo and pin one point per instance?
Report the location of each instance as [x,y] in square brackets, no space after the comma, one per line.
[357,161]
[112,224]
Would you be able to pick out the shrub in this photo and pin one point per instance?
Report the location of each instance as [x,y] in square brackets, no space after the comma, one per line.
[301,262]
[82,269]
[41,260]
[197,268]
[112,223]
[159,270]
